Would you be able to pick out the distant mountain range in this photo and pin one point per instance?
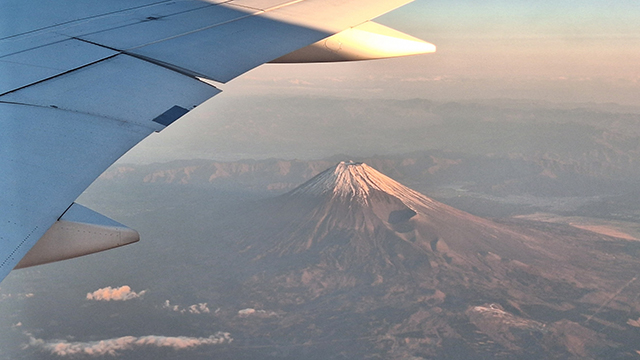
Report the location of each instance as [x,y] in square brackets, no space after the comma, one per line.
[491,157]
[480,184]
[579,135]
[350,264]
[354,264]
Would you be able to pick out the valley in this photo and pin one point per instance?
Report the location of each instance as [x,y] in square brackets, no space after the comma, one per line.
[512,235]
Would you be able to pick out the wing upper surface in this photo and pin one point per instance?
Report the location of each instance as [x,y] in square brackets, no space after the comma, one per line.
[83,81]
[58,135]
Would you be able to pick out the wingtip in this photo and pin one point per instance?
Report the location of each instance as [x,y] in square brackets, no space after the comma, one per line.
[367,41]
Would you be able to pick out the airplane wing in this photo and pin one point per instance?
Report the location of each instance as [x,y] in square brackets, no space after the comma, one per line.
[83,81]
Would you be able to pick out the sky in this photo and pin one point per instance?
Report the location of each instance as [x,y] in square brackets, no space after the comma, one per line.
[561,51]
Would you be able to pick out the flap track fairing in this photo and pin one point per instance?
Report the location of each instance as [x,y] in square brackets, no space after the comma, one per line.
[80,231]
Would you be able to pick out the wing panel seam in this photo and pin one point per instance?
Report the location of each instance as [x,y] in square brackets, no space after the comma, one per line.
[84,19]
[59,74]
[256,12]
[200,29]
[123,121]
[96,44]
[32,48]
[155,18]
[179,70]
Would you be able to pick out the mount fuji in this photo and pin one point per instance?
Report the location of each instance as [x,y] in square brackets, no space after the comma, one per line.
[371,266]
[352,216]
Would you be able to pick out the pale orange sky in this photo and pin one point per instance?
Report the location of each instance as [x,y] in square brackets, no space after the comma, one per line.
[562,51]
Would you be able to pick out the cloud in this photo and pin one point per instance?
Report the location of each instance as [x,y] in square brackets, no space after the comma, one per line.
[299,82]
[18,296]
[122,293]
[114,346]
[424,79]
[247,312]
[253,312]
[336,79]
[200,308]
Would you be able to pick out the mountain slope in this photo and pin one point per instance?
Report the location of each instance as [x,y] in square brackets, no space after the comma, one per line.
[355,216]
[354,249]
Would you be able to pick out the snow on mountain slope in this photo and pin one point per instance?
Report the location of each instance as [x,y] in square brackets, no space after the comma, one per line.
[353,217]
[354,181]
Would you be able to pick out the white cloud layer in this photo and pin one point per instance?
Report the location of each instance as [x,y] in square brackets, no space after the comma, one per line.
[122,293]
[18,296]
[200,308]
[113,347]
[253,312]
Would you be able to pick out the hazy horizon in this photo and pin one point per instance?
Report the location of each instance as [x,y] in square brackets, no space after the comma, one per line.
[561,51]
[527,113]
[313,127]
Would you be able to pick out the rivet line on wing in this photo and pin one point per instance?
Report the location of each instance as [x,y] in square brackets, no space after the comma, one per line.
[18,247]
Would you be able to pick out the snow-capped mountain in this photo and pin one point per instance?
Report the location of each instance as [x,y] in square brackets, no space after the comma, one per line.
[357,182]
[381,224]
[391,262]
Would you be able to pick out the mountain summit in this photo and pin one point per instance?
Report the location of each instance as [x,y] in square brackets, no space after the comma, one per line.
[356,181]
[377,211]
[351,220]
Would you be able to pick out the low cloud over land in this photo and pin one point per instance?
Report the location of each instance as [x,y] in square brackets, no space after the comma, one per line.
[114,346]
[122,293]
[200,308]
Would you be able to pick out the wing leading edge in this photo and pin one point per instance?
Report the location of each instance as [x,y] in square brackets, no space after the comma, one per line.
[80,86]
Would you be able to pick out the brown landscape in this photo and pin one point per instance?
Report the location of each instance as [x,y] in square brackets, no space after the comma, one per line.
[512,236]
[354,264]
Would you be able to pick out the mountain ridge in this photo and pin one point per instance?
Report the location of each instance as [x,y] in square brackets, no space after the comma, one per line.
[488,186]
[332,245]
[358,282]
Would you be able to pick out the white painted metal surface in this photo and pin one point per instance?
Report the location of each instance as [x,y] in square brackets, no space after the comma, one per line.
[28,67]
[47,158]
[332,16]
[224,52]
[158,26]
[81,82]
[79,232]
[107,88]
[364,42]
[23,17]
[260,4]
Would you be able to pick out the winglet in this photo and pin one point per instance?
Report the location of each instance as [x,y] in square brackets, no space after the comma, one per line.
[367,41]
